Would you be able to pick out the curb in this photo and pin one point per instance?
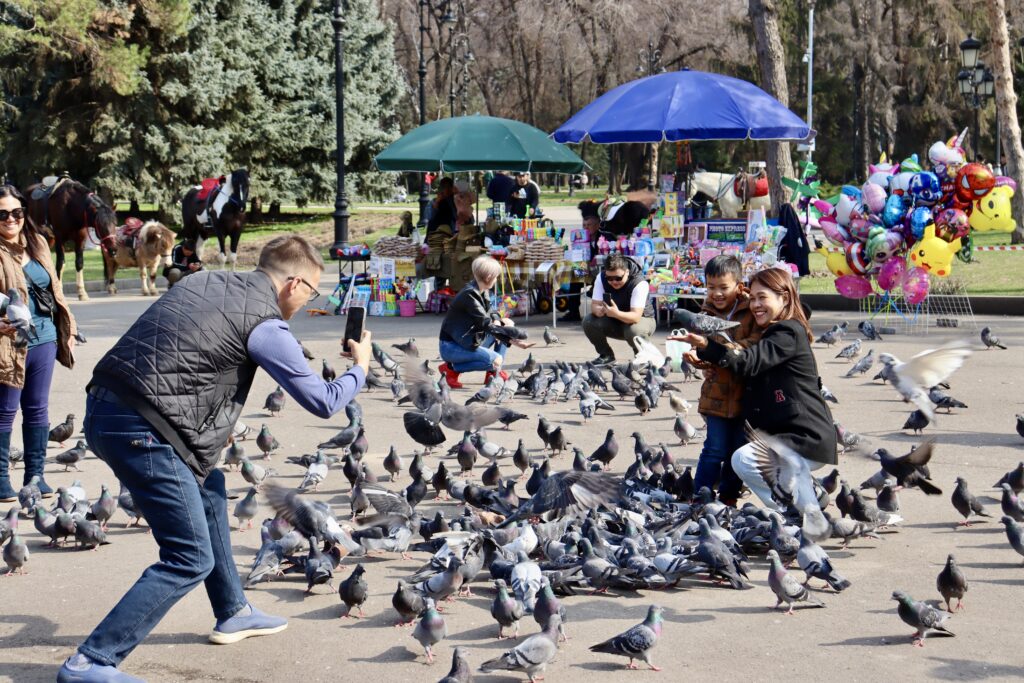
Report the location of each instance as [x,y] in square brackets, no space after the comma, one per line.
[100,287]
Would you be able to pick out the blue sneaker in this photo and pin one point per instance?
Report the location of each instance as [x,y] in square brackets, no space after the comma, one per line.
[80,669]
[248,622]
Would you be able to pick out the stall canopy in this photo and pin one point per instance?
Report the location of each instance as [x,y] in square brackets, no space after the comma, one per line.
[683,105]
[478,143]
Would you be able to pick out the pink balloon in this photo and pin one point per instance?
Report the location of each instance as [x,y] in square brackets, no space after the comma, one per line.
[890,275]
[834,233]
[915,285]
[1006,180]
[873,197]
[853,286]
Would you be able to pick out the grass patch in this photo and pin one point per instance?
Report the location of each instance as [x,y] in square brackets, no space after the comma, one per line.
[992,273]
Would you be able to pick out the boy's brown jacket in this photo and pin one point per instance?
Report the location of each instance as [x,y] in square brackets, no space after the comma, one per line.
[721,394]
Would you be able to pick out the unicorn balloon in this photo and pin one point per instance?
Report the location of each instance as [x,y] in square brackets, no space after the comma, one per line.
[881,173]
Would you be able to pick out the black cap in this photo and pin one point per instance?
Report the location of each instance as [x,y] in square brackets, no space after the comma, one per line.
[188,244]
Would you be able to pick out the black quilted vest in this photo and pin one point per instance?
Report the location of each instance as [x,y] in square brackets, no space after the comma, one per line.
[622,296]
[184,365]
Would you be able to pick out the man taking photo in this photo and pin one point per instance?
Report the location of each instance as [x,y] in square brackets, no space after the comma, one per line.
[621,307]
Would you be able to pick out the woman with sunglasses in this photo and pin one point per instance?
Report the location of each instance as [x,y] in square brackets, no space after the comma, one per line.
[27,370]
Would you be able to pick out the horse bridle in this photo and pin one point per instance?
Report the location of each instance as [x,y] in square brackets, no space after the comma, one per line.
[93,200]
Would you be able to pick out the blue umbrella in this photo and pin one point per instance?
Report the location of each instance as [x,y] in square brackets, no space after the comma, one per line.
[683,105]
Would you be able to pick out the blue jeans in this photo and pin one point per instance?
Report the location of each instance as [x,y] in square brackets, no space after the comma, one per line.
[34,396]
[724,437]
[480,359]
[189,523]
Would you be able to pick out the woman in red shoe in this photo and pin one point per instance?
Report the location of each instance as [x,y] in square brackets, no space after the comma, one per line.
[465,344]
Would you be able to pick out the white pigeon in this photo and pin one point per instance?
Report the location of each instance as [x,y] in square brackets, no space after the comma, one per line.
[925,370]
[526,581]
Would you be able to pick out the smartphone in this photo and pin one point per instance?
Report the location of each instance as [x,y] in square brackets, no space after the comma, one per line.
[354,324]
[607,298]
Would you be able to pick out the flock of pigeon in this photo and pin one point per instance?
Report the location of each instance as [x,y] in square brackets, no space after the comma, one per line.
[591,527]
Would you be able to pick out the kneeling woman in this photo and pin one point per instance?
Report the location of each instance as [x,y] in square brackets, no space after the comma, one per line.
[465,343]
[781,398]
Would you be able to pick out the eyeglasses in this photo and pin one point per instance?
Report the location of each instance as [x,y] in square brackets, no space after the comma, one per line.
[314,294]
[614,278]
[16,214]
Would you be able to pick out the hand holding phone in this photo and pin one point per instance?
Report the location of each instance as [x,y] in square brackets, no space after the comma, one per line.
[354,324]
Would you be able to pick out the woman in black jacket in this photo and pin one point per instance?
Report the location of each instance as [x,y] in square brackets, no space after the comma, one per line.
[465,344]
[781,398]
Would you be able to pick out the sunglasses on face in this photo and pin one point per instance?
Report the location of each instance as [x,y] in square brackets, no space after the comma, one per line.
[16,214]
[314,294]
[614,278]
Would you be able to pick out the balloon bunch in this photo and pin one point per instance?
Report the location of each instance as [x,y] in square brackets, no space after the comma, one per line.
[904,223]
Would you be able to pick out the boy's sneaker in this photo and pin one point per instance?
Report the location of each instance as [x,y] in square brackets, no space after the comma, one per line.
[247,623]
[603,361]
[80,669]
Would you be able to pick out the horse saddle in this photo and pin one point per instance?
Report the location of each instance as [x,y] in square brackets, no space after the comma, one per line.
[207,186]
[48,185]
[128,233]
[747,185]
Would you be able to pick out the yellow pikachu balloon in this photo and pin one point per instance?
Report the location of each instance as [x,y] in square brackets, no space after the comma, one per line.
[835,261]
[934,254]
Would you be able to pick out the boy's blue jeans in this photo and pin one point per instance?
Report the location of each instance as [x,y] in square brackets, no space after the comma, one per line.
[724,437]
[189,521]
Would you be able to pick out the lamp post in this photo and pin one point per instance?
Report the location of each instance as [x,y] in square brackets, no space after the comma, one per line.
[976,84]
[446,18]
[340,214]
[809,58]
[467,58]
[457,40]
[649,63]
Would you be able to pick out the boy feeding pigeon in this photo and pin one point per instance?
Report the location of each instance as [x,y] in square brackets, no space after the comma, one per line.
[722,392]
[162,434]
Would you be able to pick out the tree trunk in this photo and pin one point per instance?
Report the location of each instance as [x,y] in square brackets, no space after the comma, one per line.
[772,61]
[1006,109]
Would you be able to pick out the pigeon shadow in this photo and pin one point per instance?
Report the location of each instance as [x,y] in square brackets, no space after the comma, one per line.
[328,613]
[489,632]
[990,565]
[296,593]
[1001,582]
[968,670]
[601,666]
[398,653]
[872,641]
[738,609]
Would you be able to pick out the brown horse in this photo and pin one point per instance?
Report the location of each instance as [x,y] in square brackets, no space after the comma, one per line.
[148,250]
[68,210]
[221,213]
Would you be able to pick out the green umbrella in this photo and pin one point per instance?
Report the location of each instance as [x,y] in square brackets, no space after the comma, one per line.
[478,143]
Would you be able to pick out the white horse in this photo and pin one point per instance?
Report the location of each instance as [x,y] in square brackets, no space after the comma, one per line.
[152,247]
[719,186]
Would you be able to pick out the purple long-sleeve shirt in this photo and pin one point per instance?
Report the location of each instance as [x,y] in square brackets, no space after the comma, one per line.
[274,349]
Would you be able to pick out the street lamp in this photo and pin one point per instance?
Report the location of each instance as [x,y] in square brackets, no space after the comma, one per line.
[446,18]
[340,214]
[649,63]
[467,59]
[976,85]
[457,40]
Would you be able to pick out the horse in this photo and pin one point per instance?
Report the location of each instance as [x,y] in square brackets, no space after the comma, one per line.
[67,208]
[147,249]
[217,207]
[719,186]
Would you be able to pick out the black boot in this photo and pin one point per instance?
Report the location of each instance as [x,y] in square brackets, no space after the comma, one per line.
[7,494]
[35,439]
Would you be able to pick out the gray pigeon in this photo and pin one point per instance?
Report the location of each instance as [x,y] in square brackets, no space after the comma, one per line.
[506,610]
[637,642]
[943,400]
[850,351]
[255,474]
[275,400]
[430,629]
[1014,534]
[126,503]
[328,372]
[965,502]
[550,337]
[1011,504]
[702,323]
[684,430]
[869,331]
[816,564]
[525,580]
[19,316]
[951,583]
[531,656]
[921,616]
[16,555]
[916,422]
[9,525]
[863,365]
[353,591]
[460,671]
[407,603]
[1015,478]
[71,457]
[990,340]
[786,588]
[266,442]
[246,509]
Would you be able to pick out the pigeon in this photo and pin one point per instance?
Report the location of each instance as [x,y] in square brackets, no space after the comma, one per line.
[306,353]
[828,395]
[507,417]
[506,610]
[15,555]
[393,463]
[869,331]
[679,405]
[888,500]
[63,431]
[125,502]
[466,455]
[8,525]
[430,629]
[943,400]
[1011,504]
[643,403]
[910,470]
[88,534]
[1014,534]
[407,603]
[233,454]
[921,616]
[1015,478]
[20,317]
[275,401]
[353,591]
[863,365]
[320,566]
[255,474]
[815,563]
[704,324]
[990,340]
[344,438]
[247,508]
[570,491]
[683,430]
[550,337]
[543,430]
[266,442]
[71,458]
[531,656]
[327,372]
[829,337]
[850,351]
[460,671]
[312,519]
[786,588]
[408,348]
[917,421]
[965,502]
[607,451]
[316,472]
[443,584]
[359,447]
[557,441]
[621,385]
[637,642]
[80,337]
[951,583]
[926,369]
[1020,425]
